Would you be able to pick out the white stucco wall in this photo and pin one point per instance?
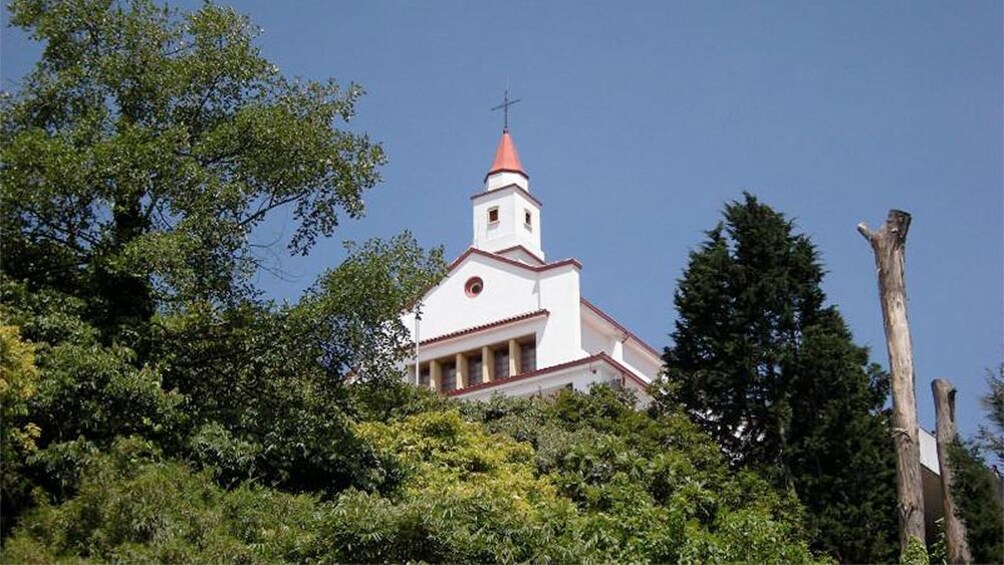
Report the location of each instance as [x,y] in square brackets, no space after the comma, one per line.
[510,230]
[498,180]
[509,291]
[522,255]
[561,339]
[641,360]
[580,377]
[928,450]
[600,335]
[594,341]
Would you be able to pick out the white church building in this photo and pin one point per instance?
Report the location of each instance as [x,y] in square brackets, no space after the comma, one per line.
[506,320]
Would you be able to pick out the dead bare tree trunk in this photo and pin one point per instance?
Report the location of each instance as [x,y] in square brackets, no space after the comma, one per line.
[955,528]
[889,245]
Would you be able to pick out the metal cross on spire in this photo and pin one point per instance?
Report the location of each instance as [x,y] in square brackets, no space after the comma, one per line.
[504,106]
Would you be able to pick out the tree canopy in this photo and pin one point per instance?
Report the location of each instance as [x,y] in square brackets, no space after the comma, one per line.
[580,478]
[761,363]
[978,502]
[136,161]
[992,434]
[145,147]
[976,485]
[156,408]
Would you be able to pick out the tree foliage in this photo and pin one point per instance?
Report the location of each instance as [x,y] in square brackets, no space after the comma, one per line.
[136,161]
[597,482]
[146,146]
[992,435]
[762,364]
[649,486]
[157,409]
[979,504]
[265,385]
[86,393]
[249,392]
[136,506]
[915,554]
[18,381]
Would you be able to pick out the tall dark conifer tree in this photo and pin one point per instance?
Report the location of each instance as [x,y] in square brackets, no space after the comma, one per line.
[771,372]
[979,502]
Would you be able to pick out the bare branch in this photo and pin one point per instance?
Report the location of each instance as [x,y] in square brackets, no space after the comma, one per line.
[266,208]
[864,231]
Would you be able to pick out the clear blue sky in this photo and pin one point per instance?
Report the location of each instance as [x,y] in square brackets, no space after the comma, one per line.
[639,120]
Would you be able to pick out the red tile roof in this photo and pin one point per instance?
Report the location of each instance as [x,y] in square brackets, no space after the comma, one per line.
[599,357]
[506,158]
[536,268]
[517,187]
[482,327]
[524,250]
[621,328]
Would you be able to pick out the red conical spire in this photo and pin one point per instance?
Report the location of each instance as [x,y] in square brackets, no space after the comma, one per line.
[506,158]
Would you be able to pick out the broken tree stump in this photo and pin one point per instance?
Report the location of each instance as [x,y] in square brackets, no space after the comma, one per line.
[889,246]
[947,434]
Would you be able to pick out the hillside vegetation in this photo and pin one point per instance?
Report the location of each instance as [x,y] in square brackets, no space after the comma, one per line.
[156,407]
[280,463]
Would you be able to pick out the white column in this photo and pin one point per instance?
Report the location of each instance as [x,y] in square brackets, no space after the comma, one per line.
[461,380]
[618,353]
[513,358]
[435,375]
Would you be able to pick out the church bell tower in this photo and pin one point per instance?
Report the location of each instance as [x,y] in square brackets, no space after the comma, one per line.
[506,215]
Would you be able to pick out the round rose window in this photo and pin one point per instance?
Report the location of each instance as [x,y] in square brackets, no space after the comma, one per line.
[474,286]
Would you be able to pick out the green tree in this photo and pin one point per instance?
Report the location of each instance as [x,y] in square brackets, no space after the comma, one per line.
[265,385]
[977,490]
[649,486]
[18,382]
[992,435]
[85,394]
[136,506]
[248,392]
[146,146]
[771,372]
[136,161]
[588,479]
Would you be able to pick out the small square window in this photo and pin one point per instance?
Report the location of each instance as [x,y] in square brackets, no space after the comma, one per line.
[493,215]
